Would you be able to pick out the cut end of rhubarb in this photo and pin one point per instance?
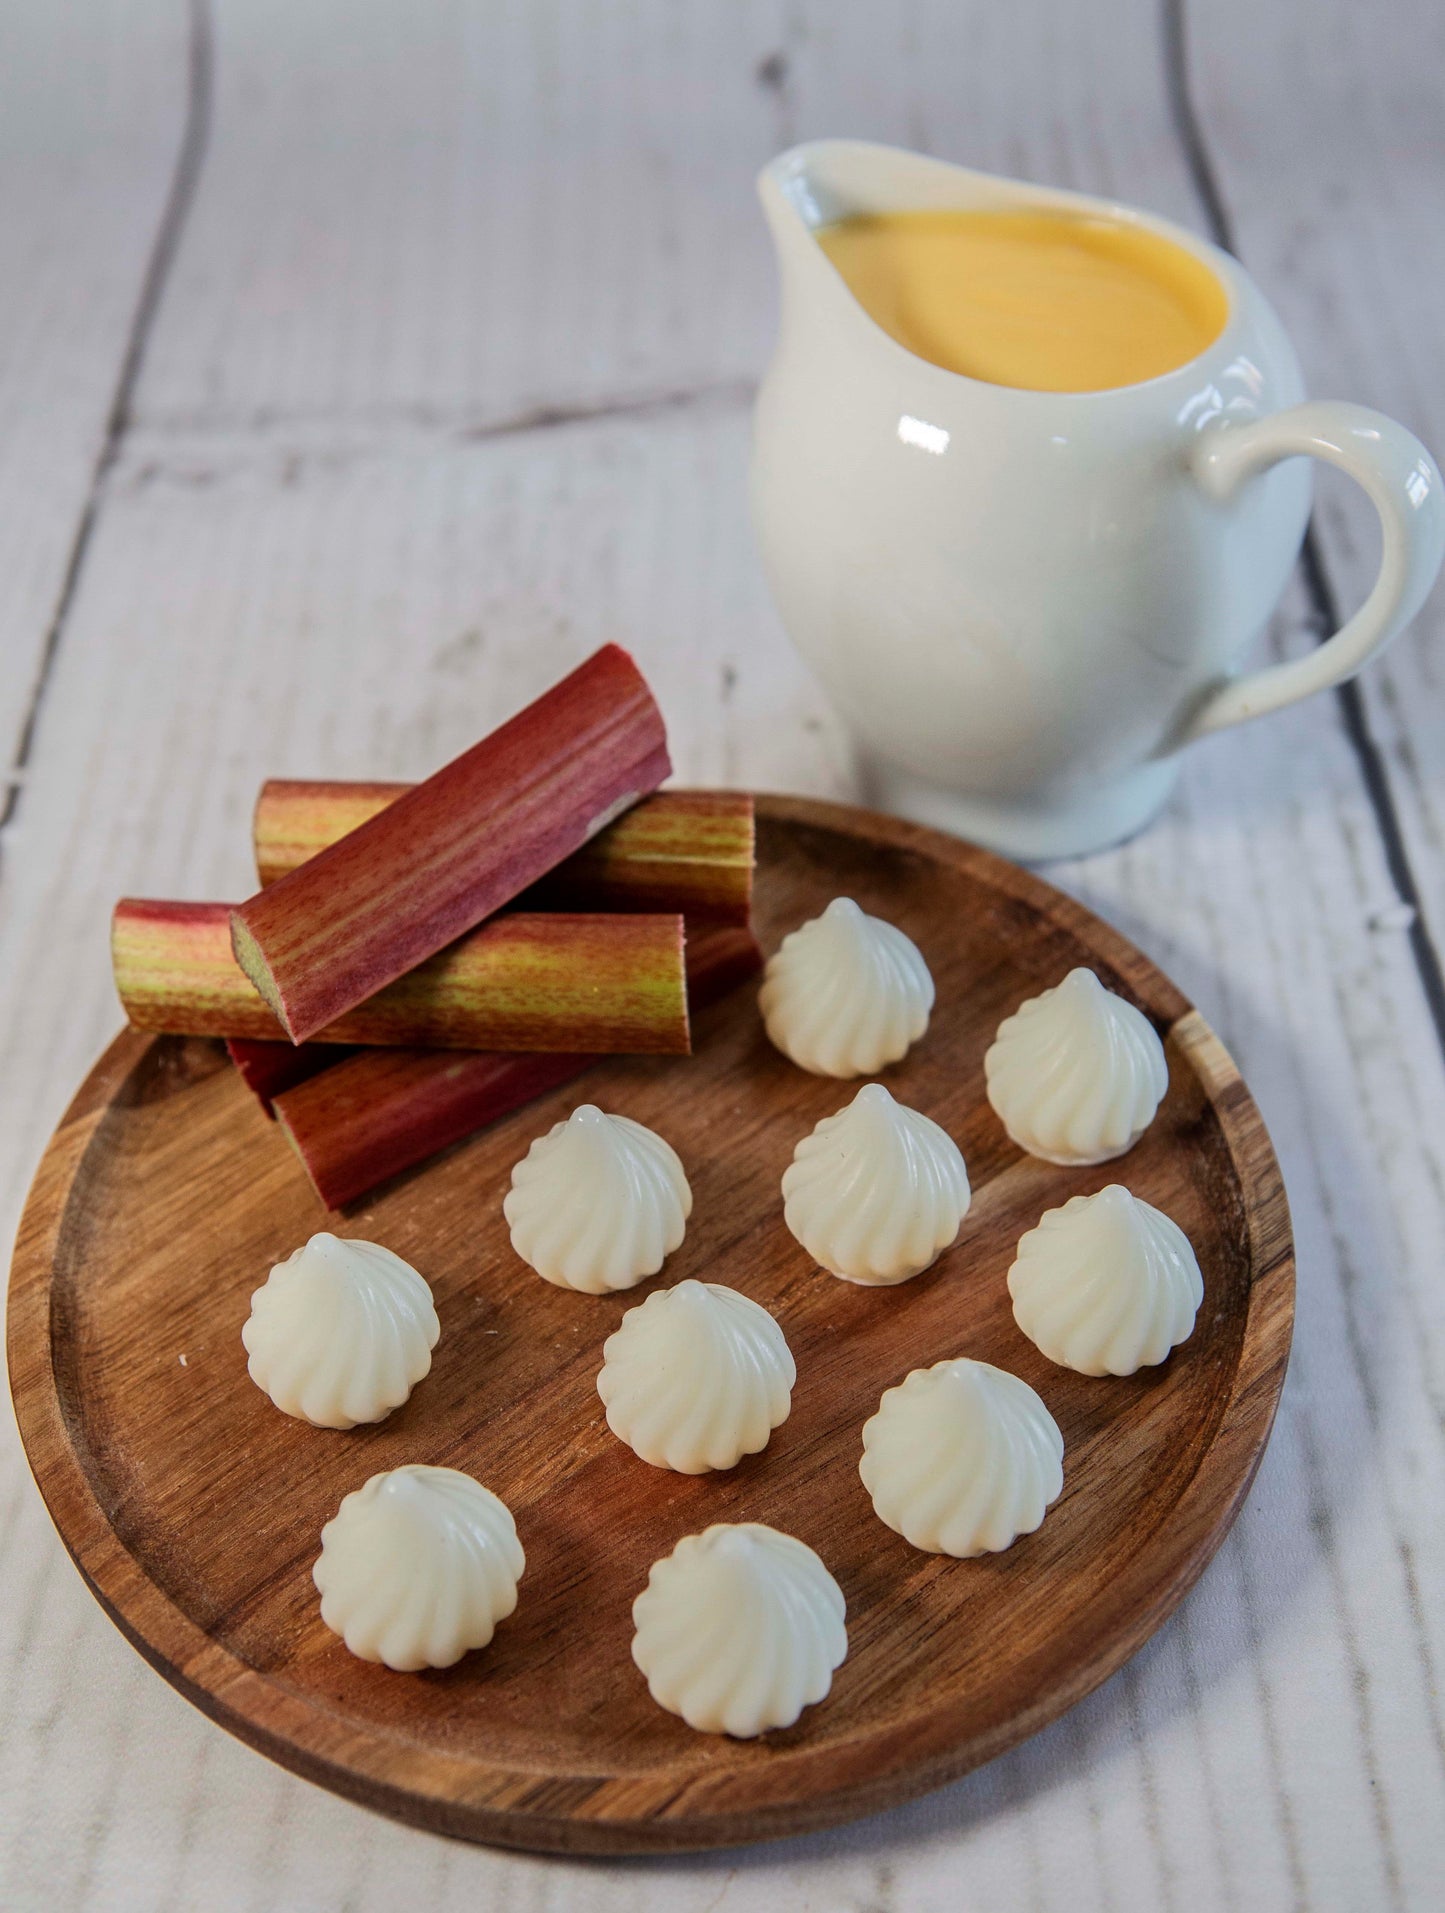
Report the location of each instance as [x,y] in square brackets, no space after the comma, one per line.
[249,955]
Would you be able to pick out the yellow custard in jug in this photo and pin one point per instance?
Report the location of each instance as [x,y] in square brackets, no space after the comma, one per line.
[1047,301]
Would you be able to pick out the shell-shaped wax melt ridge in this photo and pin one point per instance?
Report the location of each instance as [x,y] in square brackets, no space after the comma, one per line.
[877,1191]
[418,1566]
[846,993]
[340,1332]
[696,1377]
[1076,1074]
[739,1629]
[1106,1285]
[597,1203]
[962,1458]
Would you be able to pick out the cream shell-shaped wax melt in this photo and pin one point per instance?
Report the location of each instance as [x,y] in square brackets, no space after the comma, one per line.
[1077,1073]
[962,1458]
[340,1332]
[877,1192]
[1106,1284]
[597,1203]
[739,1629]
[696,1377]
[846,993]
[417,1567]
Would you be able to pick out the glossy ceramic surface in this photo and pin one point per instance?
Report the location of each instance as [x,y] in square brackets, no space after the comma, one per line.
[1025,602]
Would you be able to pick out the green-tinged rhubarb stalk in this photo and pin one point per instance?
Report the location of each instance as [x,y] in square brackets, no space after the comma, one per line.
[687,850]
[383,1111]
[456,848]
[553,982]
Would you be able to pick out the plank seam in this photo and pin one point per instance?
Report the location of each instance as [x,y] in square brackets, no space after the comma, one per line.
[156,429]
[551,418]
[1324,604]
[190,155]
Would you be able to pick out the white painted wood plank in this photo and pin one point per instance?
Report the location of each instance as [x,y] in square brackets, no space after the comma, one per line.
[467,213]
[470,212]
[1335,184]
[305,563]
[92,101]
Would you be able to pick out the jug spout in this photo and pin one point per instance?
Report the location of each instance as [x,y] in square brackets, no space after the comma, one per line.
[816,184]
[821,182]
[798,198]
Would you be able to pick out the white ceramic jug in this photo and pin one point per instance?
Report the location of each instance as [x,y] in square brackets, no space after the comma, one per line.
[1024,603]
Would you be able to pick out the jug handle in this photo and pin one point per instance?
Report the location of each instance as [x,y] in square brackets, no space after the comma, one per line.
[1402,483]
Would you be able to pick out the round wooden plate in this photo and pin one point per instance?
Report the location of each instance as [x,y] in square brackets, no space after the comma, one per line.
[193,1508]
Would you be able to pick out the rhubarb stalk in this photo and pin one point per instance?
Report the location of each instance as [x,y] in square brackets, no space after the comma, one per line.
[269,1069]
[454,849]
[383,1111]
[602,984]
[687,850]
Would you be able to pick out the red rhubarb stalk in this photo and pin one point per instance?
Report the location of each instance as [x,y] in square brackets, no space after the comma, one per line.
[267,1069]
[383,1111]
[454,849]
[687,850]
[523,982]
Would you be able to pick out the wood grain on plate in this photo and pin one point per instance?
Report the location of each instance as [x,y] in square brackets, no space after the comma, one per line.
[193,1508]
